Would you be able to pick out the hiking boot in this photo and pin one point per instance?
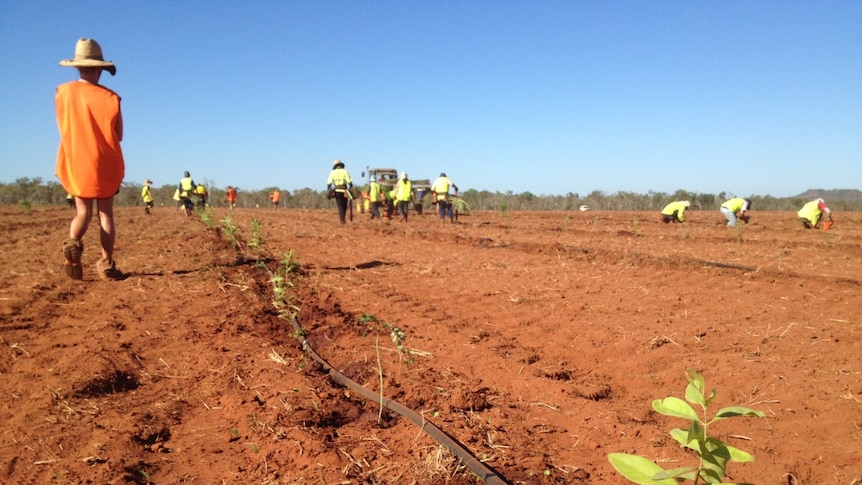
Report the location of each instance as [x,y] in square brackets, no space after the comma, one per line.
[107,270]
[72,251]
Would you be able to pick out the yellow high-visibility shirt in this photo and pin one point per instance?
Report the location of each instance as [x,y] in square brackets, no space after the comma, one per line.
[404,190]
[374,192]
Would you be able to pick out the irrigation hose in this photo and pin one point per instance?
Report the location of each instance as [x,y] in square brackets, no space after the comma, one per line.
[486,473]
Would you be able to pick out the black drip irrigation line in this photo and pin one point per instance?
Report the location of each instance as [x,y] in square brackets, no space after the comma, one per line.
[724,265]
[486,473]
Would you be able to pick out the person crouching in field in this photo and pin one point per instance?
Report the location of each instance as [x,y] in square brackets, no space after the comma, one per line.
[90,162]
[736,208]
[675,211]
[811,213]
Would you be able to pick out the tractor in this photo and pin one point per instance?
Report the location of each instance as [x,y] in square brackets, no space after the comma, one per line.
[388,177]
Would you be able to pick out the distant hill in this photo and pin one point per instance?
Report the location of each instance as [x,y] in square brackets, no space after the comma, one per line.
[847,195]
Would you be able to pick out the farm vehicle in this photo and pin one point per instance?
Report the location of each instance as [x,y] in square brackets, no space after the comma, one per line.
[388,178]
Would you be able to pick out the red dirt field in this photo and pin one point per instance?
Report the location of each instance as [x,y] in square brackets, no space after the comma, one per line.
[537,340]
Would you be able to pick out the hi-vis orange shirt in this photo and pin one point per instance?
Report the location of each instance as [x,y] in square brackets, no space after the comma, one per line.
[90,161]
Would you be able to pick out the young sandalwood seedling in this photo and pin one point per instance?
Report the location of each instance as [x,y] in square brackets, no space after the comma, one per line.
[714,455]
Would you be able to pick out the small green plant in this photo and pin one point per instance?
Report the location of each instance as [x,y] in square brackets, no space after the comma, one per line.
[282,280]
[636,228]
[738,233]
[714,454]
[256,241]
[229,230]
[207,216]
[24,205]
[460,205]
[396,334]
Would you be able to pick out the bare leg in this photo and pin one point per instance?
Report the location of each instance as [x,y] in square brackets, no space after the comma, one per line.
[106,226]
[83,214]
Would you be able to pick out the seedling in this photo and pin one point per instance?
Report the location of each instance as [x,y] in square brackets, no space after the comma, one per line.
[207,216]
[714,454]
[229,230]
[396,334]
[256,237]
[281,281]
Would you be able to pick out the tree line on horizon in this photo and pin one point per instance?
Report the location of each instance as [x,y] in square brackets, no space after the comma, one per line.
[34,192]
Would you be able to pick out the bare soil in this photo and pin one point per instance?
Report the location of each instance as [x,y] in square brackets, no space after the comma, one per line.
[537,340]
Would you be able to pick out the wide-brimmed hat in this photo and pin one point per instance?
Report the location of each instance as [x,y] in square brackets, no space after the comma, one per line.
[148,182]
[88,53]
[404,175]
[336,163]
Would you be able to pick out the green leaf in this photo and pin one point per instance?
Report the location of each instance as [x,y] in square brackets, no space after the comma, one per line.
[694,394]
[696,433]
[695,379]
[638,469]
[681,437]
[674,406]
[738,455]
[734,411]
[685,473]
[714,460]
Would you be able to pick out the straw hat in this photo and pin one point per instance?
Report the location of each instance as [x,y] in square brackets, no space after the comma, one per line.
[336,163]
[404,175]
[148,182]
[88,53]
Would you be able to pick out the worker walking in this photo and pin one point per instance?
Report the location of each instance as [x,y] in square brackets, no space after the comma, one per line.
[201,197]
[231,196]
[675,211]
[374,197]
[147,196]
[90,163]
[185,190]
[440,195]
[812,212]
[403,196]
[339,183]
[275,198]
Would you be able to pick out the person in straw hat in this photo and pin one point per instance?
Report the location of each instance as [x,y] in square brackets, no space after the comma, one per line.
[90,163]
[339,183]
[147,195]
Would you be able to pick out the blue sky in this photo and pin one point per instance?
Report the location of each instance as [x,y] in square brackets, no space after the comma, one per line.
[550,97]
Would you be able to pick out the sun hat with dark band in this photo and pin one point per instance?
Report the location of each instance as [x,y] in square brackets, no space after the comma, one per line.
[88,53]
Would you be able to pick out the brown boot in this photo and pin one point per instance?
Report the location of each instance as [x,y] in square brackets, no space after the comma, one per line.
[72,251]
[107,270]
